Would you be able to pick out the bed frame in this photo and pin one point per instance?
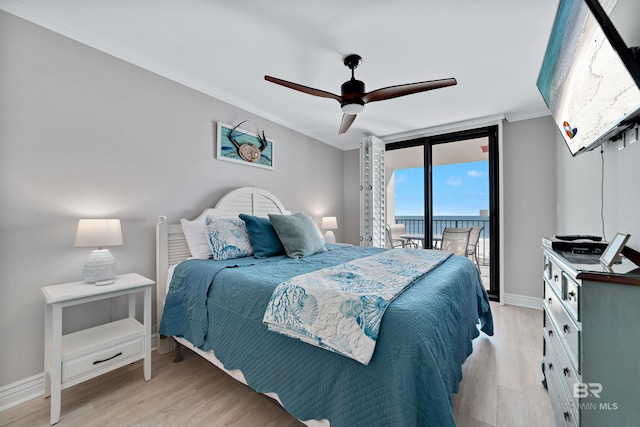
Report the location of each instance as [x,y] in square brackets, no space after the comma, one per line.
[172,248]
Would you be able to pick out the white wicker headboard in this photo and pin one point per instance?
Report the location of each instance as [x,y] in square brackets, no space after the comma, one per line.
[171,246]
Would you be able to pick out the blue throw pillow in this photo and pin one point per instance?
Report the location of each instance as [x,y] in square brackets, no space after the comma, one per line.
[263,237]
[299,235]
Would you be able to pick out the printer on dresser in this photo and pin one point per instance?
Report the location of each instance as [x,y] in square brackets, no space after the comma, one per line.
[591,353]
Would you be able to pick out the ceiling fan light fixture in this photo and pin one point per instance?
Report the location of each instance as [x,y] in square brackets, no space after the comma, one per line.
[353,107]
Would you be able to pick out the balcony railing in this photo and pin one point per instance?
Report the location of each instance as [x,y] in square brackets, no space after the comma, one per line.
[415,225]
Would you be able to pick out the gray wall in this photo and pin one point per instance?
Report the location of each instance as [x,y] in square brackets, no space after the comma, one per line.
[580,197]
[83,135]
[529,179]
[351,231]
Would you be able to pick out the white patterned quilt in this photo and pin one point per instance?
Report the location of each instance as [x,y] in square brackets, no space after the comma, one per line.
[340,308]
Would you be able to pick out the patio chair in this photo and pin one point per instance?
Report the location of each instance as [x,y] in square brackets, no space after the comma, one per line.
[455,240]
[394,231]
[472,247]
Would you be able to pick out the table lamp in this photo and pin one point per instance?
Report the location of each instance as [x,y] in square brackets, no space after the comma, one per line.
[329,223]
[101,266]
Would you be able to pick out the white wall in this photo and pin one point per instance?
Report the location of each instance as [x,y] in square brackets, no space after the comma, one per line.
[83,134]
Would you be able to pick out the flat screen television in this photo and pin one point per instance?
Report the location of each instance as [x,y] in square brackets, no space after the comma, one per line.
[589,88]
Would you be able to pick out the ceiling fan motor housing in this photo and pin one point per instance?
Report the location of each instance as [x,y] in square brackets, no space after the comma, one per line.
[352,92]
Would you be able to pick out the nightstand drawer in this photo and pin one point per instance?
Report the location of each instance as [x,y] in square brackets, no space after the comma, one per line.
[104,359]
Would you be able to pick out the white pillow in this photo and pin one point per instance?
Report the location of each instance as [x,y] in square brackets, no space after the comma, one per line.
[228,238]
[197,239]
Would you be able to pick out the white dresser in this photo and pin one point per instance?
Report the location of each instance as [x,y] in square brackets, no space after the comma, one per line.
[591,353]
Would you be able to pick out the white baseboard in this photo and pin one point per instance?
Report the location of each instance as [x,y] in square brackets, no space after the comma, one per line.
[522,301]
[33,387]
[21,391]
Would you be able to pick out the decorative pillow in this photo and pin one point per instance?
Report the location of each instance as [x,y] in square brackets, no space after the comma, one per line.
[263,237]
[196,234]
[298,233]
[228,238]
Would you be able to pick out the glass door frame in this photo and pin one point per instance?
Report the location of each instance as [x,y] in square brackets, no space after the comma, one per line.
[490,132]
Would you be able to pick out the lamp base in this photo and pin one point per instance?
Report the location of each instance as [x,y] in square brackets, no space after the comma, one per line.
[100,267]
[329,237]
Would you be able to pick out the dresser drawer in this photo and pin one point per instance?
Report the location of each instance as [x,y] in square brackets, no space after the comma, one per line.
[106,358]
[572,295]
[546,266]
[555,277]
[564,408]
[565,369]
[565,328]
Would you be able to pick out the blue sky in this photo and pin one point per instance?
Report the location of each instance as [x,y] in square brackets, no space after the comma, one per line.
[460,189]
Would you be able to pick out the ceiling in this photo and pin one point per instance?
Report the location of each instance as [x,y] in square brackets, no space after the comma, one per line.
[493,48]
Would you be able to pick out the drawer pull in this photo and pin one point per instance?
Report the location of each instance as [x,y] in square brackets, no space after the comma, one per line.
[571,295]
[551,366]
[555,278]
[106,360]
[565,329]
[550,332]
[565,372]
[550,300]
[567,416]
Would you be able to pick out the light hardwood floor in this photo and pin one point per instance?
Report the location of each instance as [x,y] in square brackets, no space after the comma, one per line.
[501,387]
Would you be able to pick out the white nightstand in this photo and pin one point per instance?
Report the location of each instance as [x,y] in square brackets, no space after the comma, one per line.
[73,358]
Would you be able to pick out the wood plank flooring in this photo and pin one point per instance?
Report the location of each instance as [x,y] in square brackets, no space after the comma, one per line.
[501,387]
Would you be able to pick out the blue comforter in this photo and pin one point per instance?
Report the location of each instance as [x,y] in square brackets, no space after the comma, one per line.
[424,338]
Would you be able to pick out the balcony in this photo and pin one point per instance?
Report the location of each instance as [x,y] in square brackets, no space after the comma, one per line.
[415,225]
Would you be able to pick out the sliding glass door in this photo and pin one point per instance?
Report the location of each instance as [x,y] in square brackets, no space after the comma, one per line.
[444,181]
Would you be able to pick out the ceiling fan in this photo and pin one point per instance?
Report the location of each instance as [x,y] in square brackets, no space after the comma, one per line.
[353,96]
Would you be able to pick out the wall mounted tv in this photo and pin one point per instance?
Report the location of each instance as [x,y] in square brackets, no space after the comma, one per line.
[590,80]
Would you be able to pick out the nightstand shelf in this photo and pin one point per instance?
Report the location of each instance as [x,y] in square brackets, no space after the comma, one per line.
[76,357]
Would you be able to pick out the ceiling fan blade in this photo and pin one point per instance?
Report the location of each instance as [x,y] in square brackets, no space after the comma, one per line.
[302,88]
[406,89]
[347,120]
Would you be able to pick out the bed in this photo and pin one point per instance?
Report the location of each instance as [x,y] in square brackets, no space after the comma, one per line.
[423,339]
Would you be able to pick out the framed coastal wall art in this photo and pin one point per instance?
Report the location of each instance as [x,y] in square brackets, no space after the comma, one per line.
[241,146]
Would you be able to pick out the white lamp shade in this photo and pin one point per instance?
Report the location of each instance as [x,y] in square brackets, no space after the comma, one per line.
[98,233]
[329,223]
